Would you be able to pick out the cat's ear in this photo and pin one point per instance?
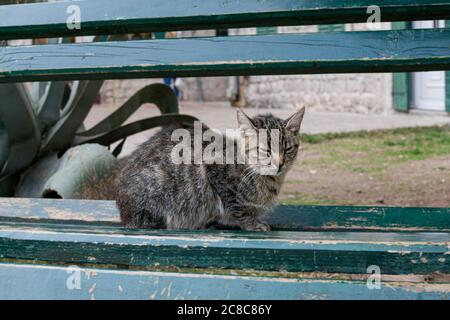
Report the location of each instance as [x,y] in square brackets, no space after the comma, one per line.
[245,123]
[294,122]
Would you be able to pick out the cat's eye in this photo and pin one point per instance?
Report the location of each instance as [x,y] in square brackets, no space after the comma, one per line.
[290,149]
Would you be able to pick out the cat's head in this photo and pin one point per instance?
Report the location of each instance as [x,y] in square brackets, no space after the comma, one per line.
[275,154]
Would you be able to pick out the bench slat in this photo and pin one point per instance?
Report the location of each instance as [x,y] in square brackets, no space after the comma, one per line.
[335,252]
[118,16]
[347,52]
[291,218]
[27,281]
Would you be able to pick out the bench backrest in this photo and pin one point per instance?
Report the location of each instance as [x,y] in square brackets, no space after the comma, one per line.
[119,17]
[379,51]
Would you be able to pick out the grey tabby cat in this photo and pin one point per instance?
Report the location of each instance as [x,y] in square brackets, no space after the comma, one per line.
[153,192]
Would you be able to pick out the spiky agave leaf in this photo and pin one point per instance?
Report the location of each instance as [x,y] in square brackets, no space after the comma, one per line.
[82,98]
[7,183]
[159,94]
[110,130]
[4,146]
[49,107]
[73,114]
[130,129]
[24,137]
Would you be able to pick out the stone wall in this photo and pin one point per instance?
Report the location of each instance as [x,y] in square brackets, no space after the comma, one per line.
[117,92]
[360,93]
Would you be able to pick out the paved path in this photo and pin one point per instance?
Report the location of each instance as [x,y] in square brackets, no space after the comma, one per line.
[222,116]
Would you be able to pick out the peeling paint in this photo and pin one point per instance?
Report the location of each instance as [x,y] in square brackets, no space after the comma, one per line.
[92,288]
[90,273]
[424,260]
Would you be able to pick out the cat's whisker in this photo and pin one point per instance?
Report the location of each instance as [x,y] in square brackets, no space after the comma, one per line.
[246,173]
[246,179]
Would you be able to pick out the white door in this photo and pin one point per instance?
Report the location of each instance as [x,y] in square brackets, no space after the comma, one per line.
[428,87]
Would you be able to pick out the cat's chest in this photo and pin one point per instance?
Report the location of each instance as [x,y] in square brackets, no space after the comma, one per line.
[237,186]
[257,192]
[266,192]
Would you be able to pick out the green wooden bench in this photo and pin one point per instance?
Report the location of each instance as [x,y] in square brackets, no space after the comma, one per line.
[313,252]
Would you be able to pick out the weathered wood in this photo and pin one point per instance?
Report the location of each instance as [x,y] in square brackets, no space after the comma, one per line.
[380,51]
[290,218]
[56,209]
[117,16]
[28,281]
[355,218]
[341,252]
[401,81]
[447,80]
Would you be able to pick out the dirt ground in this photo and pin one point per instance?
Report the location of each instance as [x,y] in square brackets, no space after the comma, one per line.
[373,169]
[424,183]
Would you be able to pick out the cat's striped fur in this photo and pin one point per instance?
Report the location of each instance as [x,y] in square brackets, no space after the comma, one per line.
[153,192]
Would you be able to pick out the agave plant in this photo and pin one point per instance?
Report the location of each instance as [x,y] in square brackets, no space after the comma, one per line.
[45,150]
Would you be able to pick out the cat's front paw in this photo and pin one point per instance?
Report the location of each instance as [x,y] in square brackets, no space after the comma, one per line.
[259,226]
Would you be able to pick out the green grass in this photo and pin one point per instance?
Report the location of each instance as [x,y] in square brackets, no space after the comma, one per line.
[323,137]
[302,199]
[375,152]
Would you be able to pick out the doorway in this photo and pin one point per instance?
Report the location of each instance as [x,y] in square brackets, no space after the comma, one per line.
[428,88]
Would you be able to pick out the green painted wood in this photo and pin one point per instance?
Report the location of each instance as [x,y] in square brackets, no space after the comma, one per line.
[401,81]
[36,282]
[331,27]
[400,91]
[360,218]
[290,218]
[55,209]
[334,252]
[447,82]
[160,35]
[267,30]
[117,16]
[380,51]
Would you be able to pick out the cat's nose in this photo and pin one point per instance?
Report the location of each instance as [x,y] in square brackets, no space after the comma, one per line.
[278,160]
[280,167]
